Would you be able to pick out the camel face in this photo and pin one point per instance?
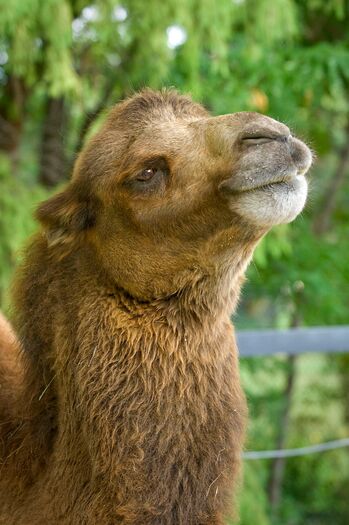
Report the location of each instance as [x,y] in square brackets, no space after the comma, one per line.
[173,162]
[165,185]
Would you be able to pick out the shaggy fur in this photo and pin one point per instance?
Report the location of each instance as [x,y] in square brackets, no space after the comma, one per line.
[125,404]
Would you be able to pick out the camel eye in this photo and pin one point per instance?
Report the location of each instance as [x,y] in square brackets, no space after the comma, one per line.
[152,177]
[147,174]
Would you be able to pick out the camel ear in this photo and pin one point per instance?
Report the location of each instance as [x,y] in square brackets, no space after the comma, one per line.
[66,215]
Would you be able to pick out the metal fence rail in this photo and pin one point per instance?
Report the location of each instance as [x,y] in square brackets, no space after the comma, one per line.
[296,452]
[323,339]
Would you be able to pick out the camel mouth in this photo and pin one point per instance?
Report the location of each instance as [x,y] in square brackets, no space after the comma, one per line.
[288,185]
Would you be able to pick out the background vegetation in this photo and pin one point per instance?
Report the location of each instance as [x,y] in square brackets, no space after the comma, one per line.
[63,61]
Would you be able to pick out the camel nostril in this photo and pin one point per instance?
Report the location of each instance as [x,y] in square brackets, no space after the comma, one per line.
[284,138]
[301,155]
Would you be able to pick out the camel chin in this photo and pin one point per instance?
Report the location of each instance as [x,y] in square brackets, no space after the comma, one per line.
[278,203]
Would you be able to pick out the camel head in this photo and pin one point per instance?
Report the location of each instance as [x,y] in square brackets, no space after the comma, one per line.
[165,190]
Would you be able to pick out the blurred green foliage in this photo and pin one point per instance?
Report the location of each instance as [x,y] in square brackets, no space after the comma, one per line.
[63,61]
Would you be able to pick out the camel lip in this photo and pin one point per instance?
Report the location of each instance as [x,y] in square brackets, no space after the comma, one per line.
[287,182]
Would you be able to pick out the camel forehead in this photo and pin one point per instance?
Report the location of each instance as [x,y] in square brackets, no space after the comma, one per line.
[257,120]
[148,106]
[164,115]
[249,121]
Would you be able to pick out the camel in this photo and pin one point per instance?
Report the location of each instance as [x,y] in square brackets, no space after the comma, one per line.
[123,404]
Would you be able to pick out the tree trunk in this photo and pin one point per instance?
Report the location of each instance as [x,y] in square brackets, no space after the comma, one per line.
[278,464]
[320,226]
[344,372]
[9,135]
[91,116]
[52,156]
[323,221]
[11,117]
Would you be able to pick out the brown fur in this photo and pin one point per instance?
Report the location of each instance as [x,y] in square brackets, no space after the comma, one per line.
[10,368]
[130,409]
